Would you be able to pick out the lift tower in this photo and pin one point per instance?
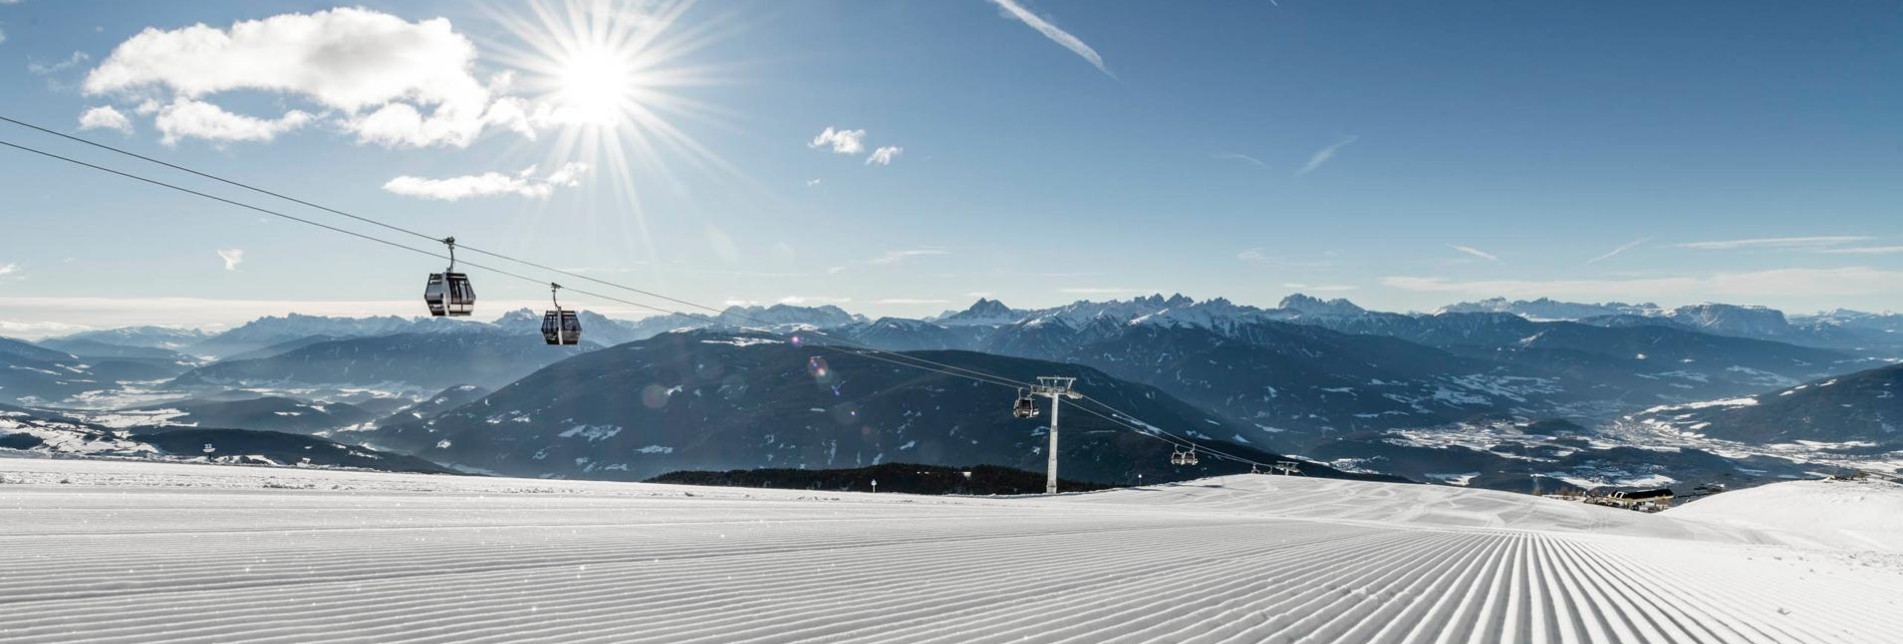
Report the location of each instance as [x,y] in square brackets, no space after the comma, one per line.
[1056,388]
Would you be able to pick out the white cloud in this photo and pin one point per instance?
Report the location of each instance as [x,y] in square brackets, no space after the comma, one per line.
[891,257]
[804,300]
[1863,250]
[1262,256]
[43,69]
[1105,290]
[884,155]
[1323,155]
[1474,252]
[1622,248]
[105,117]
[1773,243]
[912,301]
[841,141]
[232,258]
[390,81]
[1320,288]
[36,330]
[198,119]
[489,184]
[1777,283]
[812,182]
[9,269]
[1012,9]
[1238,156]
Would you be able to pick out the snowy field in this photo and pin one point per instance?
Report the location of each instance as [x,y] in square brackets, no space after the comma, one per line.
[149,552]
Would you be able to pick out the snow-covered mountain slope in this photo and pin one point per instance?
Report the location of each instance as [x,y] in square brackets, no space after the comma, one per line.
[175,551]
[31,374]
[426,362]
[272,413]
[1550,309]
[710,400]
[156,337]
[1861,411]
[25,432]
[1846,514]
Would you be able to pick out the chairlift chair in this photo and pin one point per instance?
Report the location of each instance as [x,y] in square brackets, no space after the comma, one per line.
[560,327]
[449,292]
[1026,406]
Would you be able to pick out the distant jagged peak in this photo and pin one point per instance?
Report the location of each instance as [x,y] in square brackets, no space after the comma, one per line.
[1313,306]
[1546,308]
[787,314]
[1733,318]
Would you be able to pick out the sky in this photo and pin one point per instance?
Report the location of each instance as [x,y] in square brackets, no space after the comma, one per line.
[907,158]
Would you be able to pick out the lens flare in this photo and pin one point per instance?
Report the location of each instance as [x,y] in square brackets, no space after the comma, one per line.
[607,78]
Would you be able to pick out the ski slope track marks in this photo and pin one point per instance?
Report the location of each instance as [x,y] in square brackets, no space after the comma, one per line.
[95,551]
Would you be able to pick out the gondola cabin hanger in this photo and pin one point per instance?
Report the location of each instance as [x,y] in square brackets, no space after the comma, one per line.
[560,327]
[449,292]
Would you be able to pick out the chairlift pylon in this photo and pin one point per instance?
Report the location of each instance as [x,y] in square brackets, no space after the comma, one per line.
[560,327]
[449,292]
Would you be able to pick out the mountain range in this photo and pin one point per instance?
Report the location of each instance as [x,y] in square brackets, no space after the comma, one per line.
[715,400]
[1418,394]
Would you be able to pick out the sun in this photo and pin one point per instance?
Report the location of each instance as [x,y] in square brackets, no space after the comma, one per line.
[595,87]
[612,81]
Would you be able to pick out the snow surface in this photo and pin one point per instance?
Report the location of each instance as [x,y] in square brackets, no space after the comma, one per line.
[128,551]
[1861,515]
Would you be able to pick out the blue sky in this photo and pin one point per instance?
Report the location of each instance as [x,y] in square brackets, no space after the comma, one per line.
[1402,154]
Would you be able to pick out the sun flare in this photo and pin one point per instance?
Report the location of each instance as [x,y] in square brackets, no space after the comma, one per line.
[594,87]
[607,79]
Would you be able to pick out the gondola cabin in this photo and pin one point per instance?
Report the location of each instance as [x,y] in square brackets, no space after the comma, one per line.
[449,294]
[561,327]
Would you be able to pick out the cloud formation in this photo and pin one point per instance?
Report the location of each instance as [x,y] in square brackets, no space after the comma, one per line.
[1785,282]
[884,155]
[105,117]
[841,141]
[198,119]
[1773,243]
[1105,290]
[1622,248]
[1076,45]
[389,81]
[1863,250]
[490,184]
[232,258]
[1323,155]
[1238,156]
[1475,252]
[45,69]
[1319,288]
[890,257]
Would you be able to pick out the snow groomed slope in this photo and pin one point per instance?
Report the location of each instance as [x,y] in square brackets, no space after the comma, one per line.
[139,552]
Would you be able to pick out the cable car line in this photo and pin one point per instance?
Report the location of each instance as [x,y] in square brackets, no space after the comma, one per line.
[859,350]
[419,235]
[322,225]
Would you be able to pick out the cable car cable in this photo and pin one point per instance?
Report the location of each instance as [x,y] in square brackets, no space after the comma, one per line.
[420,235]
[863,351]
